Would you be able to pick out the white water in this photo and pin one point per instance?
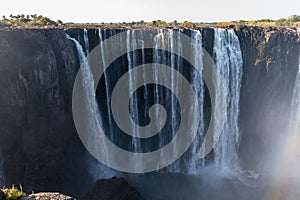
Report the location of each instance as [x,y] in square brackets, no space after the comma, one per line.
[91,105]
[105,75]
[166,39]
[197,51]
[132,41]
[86,41]
[229,61]
[228,58]
[295,105]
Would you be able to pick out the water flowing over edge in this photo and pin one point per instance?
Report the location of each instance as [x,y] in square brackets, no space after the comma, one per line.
[228,58]
[229,61]
[295,104]
[91,106]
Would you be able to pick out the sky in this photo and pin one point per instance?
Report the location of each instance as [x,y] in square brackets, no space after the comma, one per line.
[93,11]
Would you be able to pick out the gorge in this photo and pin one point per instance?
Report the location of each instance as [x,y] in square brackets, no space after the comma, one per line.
[40,147]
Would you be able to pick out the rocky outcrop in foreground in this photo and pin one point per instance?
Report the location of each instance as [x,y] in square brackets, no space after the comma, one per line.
[112,189]
[104,189]
[47,196]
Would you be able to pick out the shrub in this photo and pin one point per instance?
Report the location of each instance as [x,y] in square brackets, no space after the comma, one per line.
[13,193]
[40,20]
[265,20]
[282,22]
[3,24]
[188,24]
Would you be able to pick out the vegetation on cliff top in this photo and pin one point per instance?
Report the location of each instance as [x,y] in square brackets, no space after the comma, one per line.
[292,21]
[27,21]
[39,21]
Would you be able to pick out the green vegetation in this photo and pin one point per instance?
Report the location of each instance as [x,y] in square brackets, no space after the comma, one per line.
[13,193]
[294,19]
[32,21]
[28,21]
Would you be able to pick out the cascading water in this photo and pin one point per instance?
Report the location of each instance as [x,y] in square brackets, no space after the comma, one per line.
[88,91]
[228,58]
[86,41]
[131,41]
[79,49]
[197,51]
[295,105]
[165,39]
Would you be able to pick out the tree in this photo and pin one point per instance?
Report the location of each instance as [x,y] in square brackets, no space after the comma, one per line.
[153,22]
[294,18]
[33,16]
[59,22]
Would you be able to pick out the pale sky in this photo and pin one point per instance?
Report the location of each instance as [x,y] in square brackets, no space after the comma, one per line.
[166,10]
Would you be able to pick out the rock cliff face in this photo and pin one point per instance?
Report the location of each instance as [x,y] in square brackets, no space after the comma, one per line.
[38,141]
[271,60]
[39,145]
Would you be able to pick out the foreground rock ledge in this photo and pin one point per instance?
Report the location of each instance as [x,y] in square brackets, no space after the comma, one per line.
[47,196]
[113,189]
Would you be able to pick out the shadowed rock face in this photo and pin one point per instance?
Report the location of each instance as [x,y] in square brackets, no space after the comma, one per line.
[271,62]
[39,144]
[2,195]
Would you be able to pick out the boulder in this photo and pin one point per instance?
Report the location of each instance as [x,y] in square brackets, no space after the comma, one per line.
[112,189]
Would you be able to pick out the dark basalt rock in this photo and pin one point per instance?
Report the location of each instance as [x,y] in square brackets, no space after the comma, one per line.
[270,60]
[2,195]
[38,141]
[112,189]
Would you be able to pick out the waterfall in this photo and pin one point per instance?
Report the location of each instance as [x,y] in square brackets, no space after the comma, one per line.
[295,105]
[79,49]
[86,41]
[131,40]
[197,51]
[107,88]
[165,39]
[228,58]
[91,117]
